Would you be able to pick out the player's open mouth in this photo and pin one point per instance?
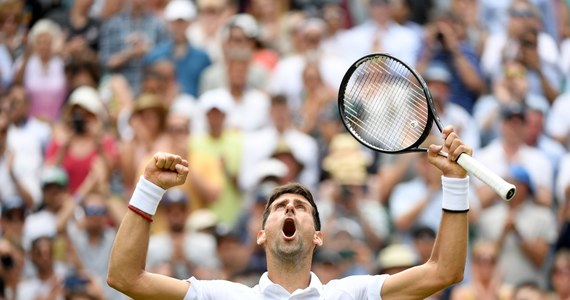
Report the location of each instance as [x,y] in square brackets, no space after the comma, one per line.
[289,228]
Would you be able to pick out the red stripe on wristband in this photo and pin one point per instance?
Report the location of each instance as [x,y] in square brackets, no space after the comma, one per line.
[141,213]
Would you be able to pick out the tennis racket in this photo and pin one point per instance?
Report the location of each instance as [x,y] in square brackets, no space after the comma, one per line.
[387,106]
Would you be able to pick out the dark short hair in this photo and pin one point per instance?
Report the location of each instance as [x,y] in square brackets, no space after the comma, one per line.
[297,189]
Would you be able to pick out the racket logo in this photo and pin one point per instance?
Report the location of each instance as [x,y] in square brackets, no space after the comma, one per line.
[414,124]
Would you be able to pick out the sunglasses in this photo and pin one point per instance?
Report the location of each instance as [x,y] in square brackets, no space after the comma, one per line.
[489,260]
[95,210]
[521,13]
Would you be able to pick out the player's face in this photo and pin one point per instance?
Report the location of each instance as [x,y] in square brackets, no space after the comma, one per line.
[290,232]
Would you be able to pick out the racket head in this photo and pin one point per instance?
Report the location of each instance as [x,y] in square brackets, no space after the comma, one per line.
[386,105]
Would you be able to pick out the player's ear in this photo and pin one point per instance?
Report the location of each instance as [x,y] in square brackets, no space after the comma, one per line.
[318,238]
[261,237]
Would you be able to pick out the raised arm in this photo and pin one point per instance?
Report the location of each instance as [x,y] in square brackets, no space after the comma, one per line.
[128,257]
[447,262]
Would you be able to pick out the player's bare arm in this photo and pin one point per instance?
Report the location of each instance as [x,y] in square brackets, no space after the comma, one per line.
[447,262]
[128,256]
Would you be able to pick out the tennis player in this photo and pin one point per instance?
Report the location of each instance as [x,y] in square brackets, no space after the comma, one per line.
[290,233]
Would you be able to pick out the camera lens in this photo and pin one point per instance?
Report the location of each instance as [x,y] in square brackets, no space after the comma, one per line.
[7,261]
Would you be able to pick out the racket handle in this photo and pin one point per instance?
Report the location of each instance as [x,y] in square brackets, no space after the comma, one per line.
[499,185]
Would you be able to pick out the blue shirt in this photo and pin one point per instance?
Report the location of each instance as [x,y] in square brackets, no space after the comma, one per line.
[189,67]
[458,92]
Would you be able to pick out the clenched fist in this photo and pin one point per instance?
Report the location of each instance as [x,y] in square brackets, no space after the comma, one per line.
[166,170]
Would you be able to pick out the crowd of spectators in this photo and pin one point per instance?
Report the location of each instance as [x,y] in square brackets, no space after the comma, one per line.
[246,91]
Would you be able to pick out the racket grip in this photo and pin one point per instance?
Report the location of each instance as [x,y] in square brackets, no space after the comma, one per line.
[499,185]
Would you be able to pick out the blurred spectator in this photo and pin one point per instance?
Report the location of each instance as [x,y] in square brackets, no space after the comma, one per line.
[55,210]
[82,31]
[528,291]
[401,13]
[236,257]
[182,252]
[346,164]
[417,202]
[287,77]
[487,281]
[179,123]
[298,149]
[381,34]
[147,121]
[18,174]
[41,71]
[560,275]
[12,39]
[26,133]
[511,87]
[272,17]
[495,15]
[423,239]
[12,261]
[446,44]
[524,41]
[81,145]
[317,98]
[48,280]
[536,137]
[206,32]
[440,83]
[92,237]
[476,32]
[328,265]
[247,109]
[189,62]
[557,123]
[82,68]
[225,144]
[396,258]
[239,38]
[12,220]
[522,230]
[510,149]
[334,37]
[126,38]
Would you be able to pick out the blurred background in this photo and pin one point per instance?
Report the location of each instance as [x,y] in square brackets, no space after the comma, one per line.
[246,91]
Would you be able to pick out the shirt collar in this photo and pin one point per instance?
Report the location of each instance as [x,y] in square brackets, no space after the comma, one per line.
[267,286]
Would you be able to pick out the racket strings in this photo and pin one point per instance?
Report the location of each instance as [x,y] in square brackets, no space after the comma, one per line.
[384,106]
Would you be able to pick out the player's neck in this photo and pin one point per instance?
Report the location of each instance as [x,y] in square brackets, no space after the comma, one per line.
[290,276]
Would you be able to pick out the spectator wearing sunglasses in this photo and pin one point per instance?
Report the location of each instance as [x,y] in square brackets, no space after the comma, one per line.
[524,41]
[92,237]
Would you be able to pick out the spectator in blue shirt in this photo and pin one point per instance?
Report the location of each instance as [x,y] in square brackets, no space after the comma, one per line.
[190,62]
[446,43]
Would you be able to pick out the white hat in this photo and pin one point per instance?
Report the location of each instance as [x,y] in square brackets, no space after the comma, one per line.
[87,98]
[271,167]
[180,10]
[246,22]
[218,98]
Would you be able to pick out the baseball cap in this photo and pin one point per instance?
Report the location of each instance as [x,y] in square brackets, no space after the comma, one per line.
[174,196]
[513,109]
[87,98]
[437,72]
[396,256]
[219,99]
[180,10]
[54,175]
[201,219]
[246,23]
[520,174]
[270,167]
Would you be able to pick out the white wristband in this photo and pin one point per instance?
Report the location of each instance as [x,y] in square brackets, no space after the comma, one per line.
[455,194]
[147,196]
